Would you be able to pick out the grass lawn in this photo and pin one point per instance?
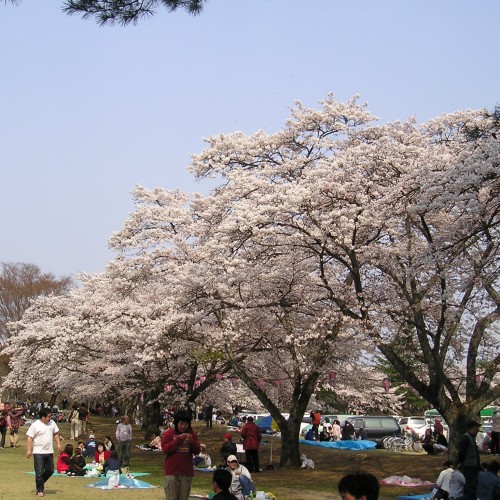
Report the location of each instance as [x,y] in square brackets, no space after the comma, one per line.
[287,484]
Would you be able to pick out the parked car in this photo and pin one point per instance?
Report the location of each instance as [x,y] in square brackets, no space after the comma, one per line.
[415,424]
[376,427]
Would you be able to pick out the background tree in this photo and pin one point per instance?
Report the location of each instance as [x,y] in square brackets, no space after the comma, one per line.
[20,284]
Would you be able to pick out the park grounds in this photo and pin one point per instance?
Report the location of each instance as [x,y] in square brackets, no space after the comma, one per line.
[319,483]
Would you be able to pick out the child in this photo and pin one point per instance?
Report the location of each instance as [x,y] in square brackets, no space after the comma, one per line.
[64,460]
[77,465]
[113,463]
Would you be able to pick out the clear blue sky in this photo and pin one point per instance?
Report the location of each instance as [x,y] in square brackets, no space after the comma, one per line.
[87,112]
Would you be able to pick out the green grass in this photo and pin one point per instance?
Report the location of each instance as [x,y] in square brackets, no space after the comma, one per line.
[286,484]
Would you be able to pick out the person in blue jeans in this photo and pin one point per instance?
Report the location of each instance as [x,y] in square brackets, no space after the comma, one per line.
[40,444]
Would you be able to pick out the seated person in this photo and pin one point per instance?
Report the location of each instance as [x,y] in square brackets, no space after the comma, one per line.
[102,454]
[64,460]
[90,447]
[108,443]
[155,443]
[221,481]
[323,435]
[310,435]
[77,465]
[239,474]
[228,448]
[113,463]
[202,460]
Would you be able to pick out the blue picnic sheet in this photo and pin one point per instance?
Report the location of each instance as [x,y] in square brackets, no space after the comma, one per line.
[342,445]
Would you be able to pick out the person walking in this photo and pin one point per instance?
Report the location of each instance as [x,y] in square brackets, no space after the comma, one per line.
[468,456]
[75,423]
[179,445]
[251,436]
[16,420]
[124,438]
[40,444]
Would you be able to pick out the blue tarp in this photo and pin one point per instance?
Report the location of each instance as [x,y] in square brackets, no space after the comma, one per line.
[342,445]
[125,482]
[414,497]
[265,424]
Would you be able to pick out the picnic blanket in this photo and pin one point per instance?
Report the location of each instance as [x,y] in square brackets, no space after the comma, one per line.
[415,497]
[135,474]
[125,483]
[205,469]
[342,445]
[405,481]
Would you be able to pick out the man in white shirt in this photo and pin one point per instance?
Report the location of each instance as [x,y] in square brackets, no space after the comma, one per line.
[40,443]
[443,481]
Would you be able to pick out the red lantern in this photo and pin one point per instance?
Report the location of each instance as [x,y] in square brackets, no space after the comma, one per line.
[218,377]
[277,383]
[168,388]
[261,384]
[234,381]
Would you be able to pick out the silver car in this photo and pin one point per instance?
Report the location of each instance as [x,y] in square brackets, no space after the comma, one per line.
[414,424]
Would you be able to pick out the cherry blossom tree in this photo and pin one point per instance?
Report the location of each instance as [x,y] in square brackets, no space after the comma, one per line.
[322,240]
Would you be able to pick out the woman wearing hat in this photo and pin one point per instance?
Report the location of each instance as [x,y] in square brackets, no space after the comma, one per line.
[240,474]
[179,445]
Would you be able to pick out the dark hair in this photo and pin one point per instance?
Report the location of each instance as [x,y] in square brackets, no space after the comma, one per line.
[113,454]
[494,467]
[359,484]
[472,424]
[182,416]
[100,443]
[223,479]
[44,412]
[68,449]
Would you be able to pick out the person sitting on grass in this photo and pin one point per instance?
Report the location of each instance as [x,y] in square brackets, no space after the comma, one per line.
[228,448]
[64,460]
[77,465]
[155,443]
[240,477]
[202,460]
[113,463]
[359,486]
[101,455]
[221,481]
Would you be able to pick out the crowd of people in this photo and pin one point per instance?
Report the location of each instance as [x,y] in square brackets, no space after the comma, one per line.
[465,479]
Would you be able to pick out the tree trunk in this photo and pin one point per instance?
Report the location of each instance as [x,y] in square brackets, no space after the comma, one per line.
[290,451]
[152,413]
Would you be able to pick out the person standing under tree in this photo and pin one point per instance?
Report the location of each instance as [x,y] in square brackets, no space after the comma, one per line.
[251,441]
[40,443]
[124,438]
[179,445]
[468,456]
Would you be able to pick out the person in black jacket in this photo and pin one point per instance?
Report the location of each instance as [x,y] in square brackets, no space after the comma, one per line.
[221,482]
[468,456]
[228,448]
